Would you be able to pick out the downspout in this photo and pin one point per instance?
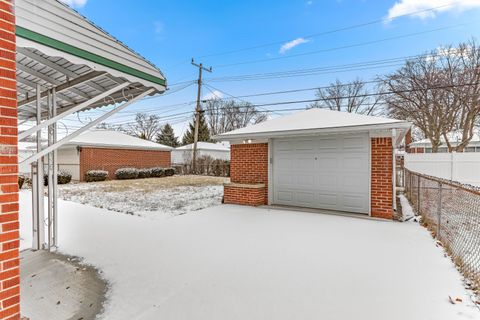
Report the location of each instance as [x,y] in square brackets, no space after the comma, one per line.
[394,170]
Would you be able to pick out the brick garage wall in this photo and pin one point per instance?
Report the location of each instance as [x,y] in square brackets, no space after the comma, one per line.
[382,181]
[248,165]
[9,233]
[244,195]
[113,159]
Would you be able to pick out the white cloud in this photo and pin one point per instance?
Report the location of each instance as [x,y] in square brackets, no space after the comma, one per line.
[292,44]
[215,94]
[75,3]
[429,8]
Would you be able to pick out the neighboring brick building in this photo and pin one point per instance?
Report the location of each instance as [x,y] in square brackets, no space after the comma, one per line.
[109,150]
[9,233]
[316,159]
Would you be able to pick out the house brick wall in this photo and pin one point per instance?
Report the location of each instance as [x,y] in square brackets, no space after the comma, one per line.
[9,233]
[248,165]
[382,180]
[113,159]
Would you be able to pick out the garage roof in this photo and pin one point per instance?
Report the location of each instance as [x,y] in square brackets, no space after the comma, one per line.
[314,121]
[115,140]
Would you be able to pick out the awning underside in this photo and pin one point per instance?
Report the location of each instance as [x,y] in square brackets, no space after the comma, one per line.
[74,84]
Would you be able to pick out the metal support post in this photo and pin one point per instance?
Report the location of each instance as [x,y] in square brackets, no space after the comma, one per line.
[418,195]
[38,186]
[439,211]
[51,185]
[55,172]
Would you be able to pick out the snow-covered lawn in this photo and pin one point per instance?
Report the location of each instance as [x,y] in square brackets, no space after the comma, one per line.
[151,198]
[232,262]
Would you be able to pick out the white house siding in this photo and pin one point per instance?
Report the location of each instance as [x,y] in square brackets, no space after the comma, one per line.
[460,167]
[69,160]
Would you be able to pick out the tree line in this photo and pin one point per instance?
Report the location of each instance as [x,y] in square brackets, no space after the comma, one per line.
[439,92]
[218,116]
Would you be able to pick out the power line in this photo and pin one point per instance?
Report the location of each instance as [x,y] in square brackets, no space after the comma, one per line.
[260,105]
[340,47]
[341,29]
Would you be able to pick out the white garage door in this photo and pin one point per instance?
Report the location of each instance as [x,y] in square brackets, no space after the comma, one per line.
[328,172]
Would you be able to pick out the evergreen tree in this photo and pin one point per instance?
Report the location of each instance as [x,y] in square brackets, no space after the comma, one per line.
[166,136]
[203,131]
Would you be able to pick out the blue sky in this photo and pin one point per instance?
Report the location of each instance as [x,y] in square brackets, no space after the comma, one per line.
[170,33]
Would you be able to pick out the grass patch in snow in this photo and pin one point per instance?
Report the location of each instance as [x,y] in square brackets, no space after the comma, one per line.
[148,197]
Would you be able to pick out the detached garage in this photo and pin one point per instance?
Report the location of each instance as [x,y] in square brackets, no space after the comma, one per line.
[317,159]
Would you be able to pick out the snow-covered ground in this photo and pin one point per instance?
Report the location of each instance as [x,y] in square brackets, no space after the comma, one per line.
[152,198]
[233,262]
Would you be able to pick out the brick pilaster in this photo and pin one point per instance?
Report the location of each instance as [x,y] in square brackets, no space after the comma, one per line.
[382,180]
[248,167]
[9,233]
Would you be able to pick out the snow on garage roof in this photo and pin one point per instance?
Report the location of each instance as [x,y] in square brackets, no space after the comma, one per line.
[205,146]
[313,121]
[114,139]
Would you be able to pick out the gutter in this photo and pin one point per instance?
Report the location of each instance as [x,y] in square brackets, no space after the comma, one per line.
[317,131]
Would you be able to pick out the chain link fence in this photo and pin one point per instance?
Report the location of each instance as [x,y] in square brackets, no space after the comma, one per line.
[451,211]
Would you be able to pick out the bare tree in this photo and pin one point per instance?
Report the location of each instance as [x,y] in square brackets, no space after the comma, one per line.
[438,92]
[223,116]
[145,127]
[352,97]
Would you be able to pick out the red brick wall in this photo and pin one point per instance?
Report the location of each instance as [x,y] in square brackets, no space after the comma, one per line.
[248,165]
[113,159]
[9,233]
[382,181]
[245,196]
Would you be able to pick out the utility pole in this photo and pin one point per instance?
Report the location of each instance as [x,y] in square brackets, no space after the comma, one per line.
[198,110]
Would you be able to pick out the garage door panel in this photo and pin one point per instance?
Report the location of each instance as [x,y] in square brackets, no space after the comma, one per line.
[284,163]
[355,203]
[327,181]
[305,181]
[354,143]
[323,172]
[305,145]
[327,163]
[305,198]
[305,164]
[353,183]
[328,200]
[355,163]
[285,196]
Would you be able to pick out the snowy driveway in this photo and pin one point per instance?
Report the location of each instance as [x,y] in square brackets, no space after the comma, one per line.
[232,262]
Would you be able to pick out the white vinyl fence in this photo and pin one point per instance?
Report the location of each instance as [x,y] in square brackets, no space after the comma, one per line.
[460,167]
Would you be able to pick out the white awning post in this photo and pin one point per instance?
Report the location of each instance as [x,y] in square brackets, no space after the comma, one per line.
[51,185]
[55,172]
[38,187]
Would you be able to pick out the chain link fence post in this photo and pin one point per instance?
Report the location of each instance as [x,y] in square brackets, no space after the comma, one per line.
[418,195]
[439,211]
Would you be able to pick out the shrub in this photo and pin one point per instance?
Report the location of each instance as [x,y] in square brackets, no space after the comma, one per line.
[169,172]
[21,180]
[157,172]
[126,173]
[144,173]
[96,175]
[63,177]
